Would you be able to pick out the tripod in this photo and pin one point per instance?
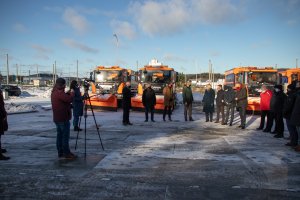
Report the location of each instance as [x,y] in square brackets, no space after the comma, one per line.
[87,99]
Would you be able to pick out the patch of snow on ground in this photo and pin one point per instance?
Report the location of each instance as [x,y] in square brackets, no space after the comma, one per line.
[20,108]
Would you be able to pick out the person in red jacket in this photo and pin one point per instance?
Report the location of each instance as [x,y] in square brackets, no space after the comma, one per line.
[61,106]
[265,99]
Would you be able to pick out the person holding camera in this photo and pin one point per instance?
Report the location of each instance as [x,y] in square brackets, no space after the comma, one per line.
[187,97]
[126,92]
[77,104]
[149,101]
[168,101]
[61,106]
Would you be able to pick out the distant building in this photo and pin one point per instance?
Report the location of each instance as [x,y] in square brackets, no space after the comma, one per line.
[42,79]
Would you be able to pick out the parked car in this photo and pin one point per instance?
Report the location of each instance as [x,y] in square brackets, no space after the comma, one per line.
[11,90]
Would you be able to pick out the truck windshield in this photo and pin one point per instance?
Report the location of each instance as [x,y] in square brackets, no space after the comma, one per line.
[256,78]
[107,76]
[155,76]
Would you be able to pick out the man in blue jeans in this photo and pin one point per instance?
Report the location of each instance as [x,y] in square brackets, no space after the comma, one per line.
[61,106]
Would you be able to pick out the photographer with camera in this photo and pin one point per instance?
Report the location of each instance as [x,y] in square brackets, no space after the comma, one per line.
[126,103]
[61,106]
[77,104]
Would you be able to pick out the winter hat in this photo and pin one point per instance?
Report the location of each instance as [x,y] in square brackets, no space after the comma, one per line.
[278,87]
[60,81]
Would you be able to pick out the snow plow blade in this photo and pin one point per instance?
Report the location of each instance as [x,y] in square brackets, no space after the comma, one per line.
[104,101]
[136,102]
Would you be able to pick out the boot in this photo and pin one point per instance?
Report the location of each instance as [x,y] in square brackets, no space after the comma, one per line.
[191,119]
[170,119]
[76,128]
[3,157]
[3,151]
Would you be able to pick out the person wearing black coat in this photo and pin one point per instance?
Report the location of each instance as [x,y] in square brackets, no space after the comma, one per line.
[295,117]
[229,102]
[276,107]
[126,103]
[77,105]
[3,124]
[208,102]
[287,113]
[241,99]
[220,104]
[149,101]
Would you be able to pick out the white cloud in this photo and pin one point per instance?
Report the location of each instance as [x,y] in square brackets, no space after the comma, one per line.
[171,16]
[173,58]
[20,28]
[123,28]
[75,20]
[74,44]
[41,52]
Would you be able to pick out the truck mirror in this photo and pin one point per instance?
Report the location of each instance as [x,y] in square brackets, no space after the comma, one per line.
[91,75]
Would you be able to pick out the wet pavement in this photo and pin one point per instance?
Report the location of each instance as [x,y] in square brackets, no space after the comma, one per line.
[161,160]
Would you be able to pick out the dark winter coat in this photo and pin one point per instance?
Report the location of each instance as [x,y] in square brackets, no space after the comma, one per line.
[168,96]
[149,98]
[77,103]
[242,98]
[187,95]
[61,104]
[229,96]
[220,98]
[289,104]
[126,103]
[295,117]
[3,115]
[277,102]
[208,101]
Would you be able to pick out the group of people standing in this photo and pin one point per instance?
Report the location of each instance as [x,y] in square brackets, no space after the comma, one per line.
[226,101]
[277,106]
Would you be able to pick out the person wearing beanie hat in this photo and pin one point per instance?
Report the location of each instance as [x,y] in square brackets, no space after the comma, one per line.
[61,107]
[287,113]
[276,107]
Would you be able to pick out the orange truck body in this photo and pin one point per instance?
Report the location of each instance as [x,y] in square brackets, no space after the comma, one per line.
[158,75]
[252,78]
[108,85]
[287,76]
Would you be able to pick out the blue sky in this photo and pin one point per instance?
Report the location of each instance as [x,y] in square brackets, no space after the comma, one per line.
[183,34]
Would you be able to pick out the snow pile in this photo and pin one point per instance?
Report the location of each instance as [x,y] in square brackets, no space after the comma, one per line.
[36,92]
[20,108]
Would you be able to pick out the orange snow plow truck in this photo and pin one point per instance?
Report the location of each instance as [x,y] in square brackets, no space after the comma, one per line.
[158,75]
[107,86]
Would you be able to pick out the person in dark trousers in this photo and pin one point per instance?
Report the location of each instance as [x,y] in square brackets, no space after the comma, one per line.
[220,104]
[265,100]
[126,103]
[149,101]
[287,113]
[168,101]
[3,124]
[276,106]
[241,99]
[229,102]
[295,117]
[77,105]
[208,102]
[187,96]
[61,106]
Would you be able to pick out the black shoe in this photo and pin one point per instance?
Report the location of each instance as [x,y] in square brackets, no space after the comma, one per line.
[76,128]
[70,156]
[205,121]
[216,121]
[266,131]
[130,124]
[243,127]
[273,132]
[240,126]
[230,124]
[278,135]
[191,119]
[258,129]
[185,119]
[125,124]
[3,157]
[170,119]
[224,123]
[152,120]
[146,120]
[3,151]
